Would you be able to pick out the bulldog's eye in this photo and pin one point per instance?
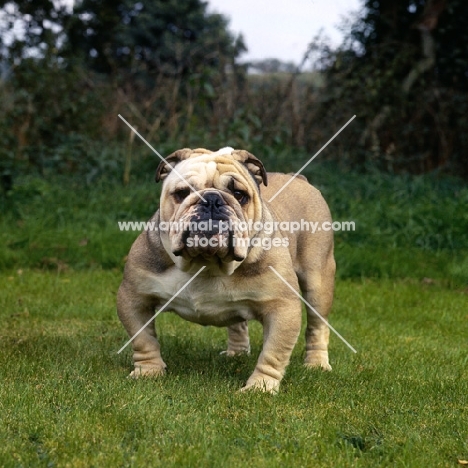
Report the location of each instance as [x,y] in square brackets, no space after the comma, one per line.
[181,195]
[241,196]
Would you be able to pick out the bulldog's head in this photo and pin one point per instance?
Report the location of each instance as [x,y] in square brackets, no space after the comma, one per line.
[207,201]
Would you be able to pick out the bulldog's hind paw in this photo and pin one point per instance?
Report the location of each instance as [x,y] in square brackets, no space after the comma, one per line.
[236,352]
[319,359]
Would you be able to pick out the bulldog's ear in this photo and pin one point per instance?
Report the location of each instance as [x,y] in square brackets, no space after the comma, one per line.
[168,164]
[253,164]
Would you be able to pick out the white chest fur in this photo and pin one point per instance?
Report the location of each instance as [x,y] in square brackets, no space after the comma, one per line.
[207,300]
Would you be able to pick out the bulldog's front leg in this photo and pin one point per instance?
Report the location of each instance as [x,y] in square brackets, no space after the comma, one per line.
[135,311]
[281,327]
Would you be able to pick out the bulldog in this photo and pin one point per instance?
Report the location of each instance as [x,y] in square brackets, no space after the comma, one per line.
[213,256]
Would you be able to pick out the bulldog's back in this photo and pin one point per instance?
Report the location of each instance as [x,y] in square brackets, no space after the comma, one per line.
[297,200]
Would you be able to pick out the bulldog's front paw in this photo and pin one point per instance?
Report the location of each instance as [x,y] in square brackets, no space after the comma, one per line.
[317,359]
[264,384]
[148,371]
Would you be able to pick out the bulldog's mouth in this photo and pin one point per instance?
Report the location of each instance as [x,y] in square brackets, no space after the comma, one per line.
[216,241]
[209,232]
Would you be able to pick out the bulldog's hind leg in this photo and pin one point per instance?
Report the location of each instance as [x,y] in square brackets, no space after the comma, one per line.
[238,339]
[317,289]
[135,311]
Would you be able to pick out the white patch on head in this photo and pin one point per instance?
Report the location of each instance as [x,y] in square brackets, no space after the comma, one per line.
[220,152]
[193,171]
[210,169]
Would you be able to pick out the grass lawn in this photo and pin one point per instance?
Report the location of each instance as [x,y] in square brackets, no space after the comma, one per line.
[402,400]
[401,301]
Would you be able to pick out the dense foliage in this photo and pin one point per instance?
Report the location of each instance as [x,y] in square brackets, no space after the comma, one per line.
[175,71]
[404,70]
[67,74]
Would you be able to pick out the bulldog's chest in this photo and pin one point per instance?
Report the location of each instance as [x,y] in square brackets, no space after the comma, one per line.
[218,301]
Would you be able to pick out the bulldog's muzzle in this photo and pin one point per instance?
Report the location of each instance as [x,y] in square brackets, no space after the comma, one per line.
[208,230]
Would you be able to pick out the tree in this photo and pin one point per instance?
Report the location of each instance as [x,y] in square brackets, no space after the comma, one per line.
[172,37]
[434,29]
[70,72]
[162,36]
[403,69]
[31,29]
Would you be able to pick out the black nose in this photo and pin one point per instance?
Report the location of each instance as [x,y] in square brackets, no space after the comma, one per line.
[213,207]
[212,201]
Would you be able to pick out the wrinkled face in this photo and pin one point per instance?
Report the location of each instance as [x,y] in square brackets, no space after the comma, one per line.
[211,224]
